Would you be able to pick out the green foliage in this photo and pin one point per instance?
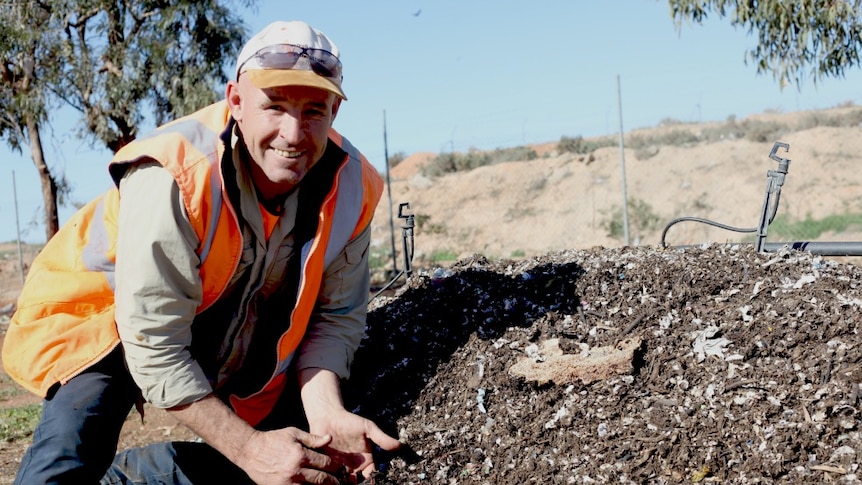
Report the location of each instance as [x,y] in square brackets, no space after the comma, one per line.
[396,158]
[571,144]
[642,218]
[120,61]
[760,131]
[424,225]
[18,423]
[582,146]
[25,39]
[823,35]
[674,138]
[848,118]
[514,154]
[455,162]
[810,229]
[378,257]
[764,131]
[9,390]
[421,220]
[460,162]
[444,255]
[646,145]
[112,61]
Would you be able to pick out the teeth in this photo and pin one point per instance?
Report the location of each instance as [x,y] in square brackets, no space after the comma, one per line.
[286,154]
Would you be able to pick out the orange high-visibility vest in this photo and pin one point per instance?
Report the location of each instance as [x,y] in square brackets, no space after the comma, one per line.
[65,317]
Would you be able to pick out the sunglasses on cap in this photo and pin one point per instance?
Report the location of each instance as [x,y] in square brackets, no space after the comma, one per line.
[289,56]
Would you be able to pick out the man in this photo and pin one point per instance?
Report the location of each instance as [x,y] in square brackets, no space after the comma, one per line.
[231,260]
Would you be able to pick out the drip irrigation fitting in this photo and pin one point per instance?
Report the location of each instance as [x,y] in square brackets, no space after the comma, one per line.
[774,182]
[407,237]
[406,247]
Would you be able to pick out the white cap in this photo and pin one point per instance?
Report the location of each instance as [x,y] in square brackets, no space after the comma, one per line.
[294,33]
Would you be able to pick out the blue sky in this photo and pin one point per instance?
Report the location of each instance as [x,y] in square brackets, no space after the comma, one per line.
[461,74]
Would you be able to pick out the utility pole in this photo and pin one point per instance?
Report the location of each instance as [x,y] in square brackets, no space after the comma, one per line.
[389,192]
[623,166]
[17,229]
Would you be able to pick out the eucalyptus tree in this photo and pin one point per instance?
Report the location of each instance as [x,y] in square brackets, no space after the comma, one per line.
[26,39]
[119,63]
[820,38]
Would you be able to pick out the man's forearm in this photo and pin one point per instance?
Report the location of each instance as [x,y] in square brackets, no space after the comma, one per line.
[321,394]
[216,424]
[278,456]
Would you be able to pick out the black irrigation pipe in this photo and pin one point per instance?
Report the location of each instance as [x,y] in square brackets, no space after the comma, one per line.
[822,248]
[775,180]
[813,247]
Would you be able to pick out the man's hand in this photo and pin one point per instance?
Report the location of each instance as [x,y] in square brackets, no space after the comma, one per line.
[351,443]
[289,455]
[279,457]
[352,435]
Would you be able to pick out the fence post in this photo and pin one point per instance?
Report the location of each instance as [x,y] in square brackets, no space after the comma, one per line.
[17,229]
[623,166]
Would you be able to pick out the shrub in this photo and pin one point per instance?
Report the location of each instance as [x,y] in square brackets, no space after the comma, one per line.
[581,146]
[396,158]
[444,255]
[378,257]
[514,154]
[18,423]
[763,131]
[424,224]
[809,229]
[642,218]
[570,145]
[460,162]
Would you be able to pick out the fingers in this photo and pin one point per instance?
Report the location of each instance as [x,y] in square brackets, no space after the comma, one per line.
[318,460]
[382,439]
[309,440]
[350,444]
[318,477]
[315,465]
[369,470]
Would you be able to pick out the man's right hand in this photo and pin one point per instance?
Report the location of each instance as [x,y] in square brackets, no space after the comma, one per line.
[288,456]
[276,457]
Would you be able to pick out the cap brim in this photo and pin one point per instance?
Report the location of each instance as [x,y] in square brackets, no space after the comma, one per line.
[270,78]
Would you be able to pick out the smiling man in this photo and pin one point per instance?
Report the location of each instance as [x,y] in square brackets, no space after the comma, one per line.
[227,271]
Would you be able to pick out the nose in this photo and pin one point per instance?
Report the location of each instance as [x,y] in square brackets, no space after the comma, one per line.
[290,128]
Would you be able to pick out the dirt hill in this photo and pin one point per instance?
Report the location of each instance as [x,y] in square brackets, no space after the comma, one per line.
[567,200]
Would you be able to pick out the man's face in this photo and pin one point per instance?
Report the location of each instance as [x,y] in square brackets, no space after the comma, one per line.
[285,130]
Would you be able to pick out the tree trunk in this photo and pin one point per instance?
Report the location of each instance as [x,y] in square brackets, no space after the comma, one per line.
[49,185]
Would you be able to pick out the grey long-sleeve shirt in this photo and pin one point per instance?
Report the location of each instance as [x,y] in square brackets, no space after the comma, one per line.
[158,290]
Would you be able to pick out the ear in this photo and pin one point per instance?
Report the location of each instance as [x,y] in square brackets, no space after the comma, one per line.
[234,99]
[335,105]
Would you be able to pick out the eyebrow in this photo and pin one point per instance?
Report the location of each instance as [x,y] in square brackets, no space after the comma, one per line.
[275,95]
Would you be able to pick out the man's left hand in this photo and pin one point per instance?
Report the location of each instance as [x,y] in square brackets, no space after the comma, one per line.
[352,436]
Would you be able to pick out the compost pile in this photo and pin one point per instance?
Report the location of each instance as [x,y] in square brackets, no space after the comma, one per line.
[632,365]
